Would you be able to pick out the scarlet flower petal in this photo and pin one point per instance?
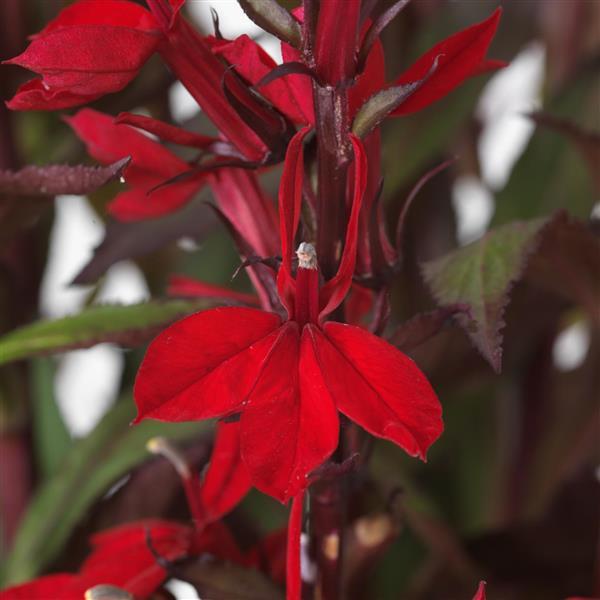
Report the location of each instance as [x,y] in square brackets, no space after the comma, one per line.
[300,85]
[186,287]
[336,40]
[459,57]
[118,13]
[290,199]
[61,586]
[165,131]
[122,555]
[151,164]
[91,49]
[293,566]
[289,425]
[480,594]
[32,95]
[253,63]
[378,387]
[249,209]
[227,480]
[213,357]
[190,58]
[335,290]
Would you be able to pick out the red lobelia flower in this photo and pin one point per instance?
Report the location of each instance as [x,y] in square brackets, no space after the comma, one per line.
[289,378]
[92,48]
[134,557]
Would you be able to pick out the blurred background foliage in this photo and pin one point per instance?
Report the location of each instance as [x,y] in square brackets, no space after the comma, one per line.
[510,492]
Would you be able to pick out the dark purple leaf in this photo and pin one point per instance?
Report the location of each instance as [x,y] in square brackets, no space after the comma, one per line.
[59,179]
[423,326]
[130,240]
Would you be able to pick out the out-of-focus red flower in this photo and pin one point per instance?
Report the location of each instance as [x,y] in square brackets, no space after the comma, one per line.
[151,164]
[289,378]
[92,48]
[458,57]
[133,556]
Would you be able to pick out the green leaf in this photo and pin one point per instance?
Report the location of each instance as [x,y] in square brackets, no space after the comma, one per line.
[481,275]
[91,467]
[51,438]
[130,325]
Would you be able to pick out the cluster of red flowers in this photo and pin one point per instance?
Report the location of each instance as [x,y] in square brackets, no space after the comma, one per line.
[280,373]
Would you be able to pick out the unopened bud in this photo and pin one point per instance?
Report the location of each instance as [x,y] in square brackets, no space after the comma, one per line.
[107,592]
[307,256]
[160,445]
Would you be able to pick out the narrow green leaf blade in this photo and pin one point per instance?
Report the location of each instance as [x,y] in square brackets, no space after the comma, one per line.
[91,467]
[52,440]
[130,325]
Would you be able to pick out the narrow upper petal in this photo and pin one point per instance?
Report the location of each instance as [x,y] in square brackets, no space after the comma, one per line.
[334,291]
[151,164]
[248,207]
[458,57]
[186,287]
[253,63]
[378,387]
[204,365]
[289,425]
[290,200]
[166,131]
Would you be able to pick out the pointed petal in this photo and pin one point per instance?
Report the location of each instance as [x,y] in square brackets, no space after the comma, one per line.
[335,290]
[336,40]
[151,164]
[189,57]
[459,57]
[293,566]
[186,287]
[480,594]
[378,387]
[32,95]
[165,131]
[108,141]
[253,63]
[289,425]
[91,49]
[204,365]
[227,480]
[300,85]
[290,199]
[248,208]
[122,556]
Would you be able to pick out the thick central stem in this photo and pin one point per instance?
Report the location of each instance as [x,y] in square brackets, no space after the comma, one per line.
[334,152]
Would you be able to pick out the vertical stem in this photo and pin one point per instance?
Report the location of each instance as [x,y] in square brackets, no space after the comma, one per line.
[333,156]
